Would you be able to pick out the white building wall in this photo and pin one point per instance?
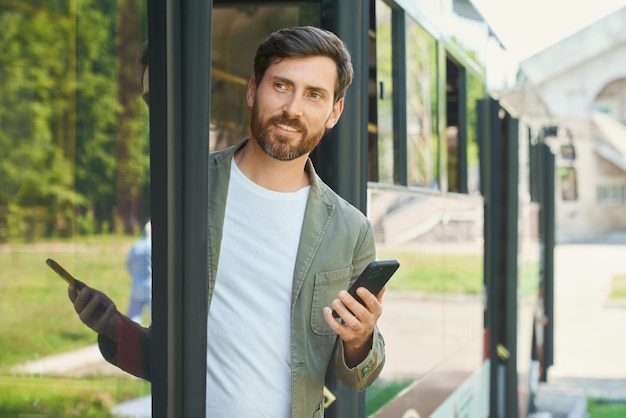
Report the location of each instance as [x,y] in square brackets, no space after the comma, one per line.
[568,77]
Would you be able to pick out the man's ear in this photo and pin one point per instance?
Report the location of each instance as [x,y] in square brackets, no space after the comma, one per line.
[251,92]
[335,114]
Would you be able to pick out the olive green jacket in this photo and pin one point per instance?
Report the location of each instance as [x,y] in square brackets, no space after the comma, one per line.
[336,244]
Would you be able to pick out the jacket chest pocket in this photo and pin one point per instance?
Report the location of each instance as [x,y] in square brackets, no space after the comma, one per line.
[327,286]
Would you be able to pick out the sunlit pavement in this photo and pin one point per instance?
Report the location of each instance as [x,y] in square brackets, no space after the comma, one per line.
[590,337]
[590,331]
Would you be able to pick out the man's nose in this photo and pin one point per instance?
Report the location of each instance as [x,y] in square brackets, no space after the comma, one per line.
[293,106]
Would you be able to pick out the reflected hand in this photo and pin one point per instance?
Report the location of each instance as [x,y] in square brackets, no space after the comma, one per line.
[356,327]
[96,310]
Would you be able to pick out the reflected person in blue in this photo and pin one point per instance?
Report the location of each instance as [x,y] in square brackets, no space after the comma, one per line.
[139,266]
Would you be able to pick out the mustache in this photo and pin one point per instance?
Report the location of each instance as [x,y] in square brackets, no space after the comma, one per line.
[283,120]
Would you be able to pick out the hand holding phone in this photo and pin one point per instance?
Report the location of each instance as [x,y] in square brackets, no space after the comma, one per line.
[71,280]
[373,278]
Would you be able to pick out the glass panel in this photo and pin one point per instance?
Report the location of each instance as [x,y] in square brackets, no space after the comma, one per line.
[475,92]
[455,132]
[237,31]
[384,95]
[74,184]
[436,297]
[421,73]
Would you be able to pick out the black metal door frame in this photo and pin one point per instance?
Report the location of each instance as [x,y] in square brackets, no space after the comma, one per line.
[179,33]
[498,133]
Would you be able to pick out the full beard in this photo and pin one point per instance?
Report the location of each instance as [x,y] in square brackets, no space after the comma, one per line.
[280,147]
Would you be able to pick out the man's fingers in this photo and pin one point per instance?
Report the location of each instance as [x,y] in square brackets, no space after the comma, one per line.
[81,300]
[380,294]
[72,293]
[372,303]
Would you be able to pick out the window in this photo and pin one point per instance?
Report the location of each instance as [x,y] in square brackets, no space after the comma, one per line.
[74,186]
[569,186]
[382,148]
[610,194]
[422,138]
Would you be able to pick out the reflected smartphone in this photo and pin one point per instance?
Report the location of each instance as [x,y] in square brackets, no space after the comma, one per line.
[373,278]
[65,274]
[71,280]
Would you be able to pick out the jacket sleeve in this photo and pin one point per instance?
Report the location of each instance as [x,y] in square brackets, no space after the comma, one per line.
[132,351]
[364,374]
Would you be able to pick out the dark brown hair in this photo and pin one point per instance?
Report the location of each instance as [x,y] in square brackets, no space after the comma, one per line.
[305,41]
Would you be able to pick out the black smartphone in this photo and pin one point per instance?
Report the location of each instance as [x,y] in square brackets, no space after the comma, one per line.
[373,278]
[71,280]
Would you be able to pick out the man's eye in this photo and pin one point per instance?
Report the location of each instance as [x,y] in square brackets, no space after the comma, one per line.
[280,86]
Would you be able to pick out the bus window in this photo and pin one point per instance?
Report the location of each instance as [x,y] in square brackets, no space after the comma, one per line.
[75,187]
[455,127]
[421,112]
[382,149]
[475,92]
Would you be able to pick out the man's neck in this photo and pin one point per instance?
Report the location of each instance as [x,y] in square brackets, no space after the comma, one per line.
[270,173]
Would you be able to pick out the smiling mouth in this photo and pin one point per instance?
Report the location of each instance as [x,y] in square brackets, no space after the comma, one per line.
[287,128]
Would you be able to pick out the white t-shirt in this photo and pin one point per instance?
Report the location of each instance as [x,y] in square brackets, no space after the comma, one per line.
[248,330]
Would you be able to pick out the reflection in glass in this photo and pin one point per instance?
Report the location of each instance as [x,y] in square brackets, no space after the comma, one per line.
[74,182]
[475,92]
[383,145]
[422,138]
[433,320]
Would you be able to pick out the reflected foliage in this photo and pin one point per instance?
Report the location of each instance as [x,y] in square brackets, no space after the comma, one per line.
[62,397]
[59,130]
[51,325]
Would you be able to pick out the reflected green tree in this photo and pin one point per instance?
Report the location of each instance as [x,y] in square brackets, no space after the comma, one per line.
[67,141]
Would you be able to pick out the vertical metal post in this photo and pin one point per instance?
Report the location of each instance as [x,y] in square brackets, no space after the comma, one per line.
[499,151]
[179,34]
[400,130]
[547,234]
[510,305]
[341,159]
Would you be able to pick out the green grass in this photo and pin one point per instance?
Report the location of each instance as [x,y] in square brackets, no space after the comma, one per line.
[436,273]
[37,320]
[450,273]
[36,317]
[65,397]
[601,408]
[381,392]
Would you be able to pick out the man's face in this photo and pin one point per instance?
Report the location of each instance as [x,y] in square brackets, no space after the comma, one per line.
[293,106]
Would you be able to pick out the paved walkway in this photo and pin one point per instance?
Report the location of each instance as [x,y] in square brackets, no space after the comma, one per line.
[590,337]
